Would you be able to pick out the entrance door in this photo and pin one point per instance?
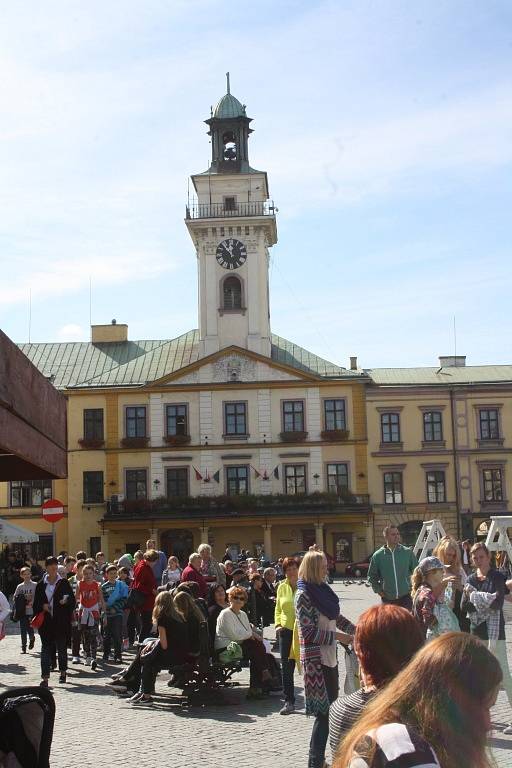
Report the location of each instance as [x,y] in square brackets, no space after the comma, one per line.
[178,542]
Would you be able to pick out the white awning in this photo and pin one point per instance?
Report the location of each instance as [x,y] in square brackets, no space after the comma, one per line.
[13,534]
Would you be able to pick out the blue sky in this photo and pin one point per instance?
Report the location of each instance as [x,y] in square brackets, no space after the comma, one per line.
[384,126]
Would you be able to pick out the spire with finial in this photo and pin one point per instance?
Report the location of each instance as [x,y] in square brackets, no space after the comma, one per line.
[227,82]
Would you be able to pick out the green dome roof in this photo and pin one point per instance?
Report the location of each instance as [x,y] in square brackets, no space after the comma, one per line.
[228,107]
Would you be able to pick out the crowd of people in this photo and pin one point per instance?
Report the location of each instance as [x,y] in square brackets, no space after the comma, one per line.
[429,659]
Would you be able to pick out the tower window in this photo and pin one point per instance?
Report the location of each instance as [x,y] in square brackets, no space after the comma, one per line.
[232,291]
[229,150]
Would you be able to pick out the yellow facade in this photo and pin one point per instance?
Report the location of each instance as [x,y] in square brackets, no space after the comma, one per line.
[473,467]
[88,526]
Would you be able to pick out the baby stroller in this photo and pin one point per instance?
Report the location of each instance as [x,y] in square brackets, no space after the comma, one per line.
[27,716]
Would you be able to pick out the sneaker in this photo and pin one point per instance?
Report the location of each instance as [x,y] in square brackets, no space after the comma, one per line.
[94,664]
[44,684]
[287,709]
[76,660]
[23,650]
[88,661]
[62,677]
[508,730]
[136,697]
[31,643]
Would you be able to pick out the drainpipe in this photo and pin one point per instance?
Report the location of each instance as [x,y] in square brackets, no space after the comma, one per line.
[455,462]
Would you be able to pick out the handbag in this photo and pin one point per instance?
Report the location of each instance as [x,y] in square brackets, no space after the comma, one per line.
[38,620]
[136,599]
[233,652]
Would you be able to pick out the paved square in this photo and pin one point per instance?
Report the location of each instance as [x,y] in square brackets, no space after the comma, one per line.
[94,726]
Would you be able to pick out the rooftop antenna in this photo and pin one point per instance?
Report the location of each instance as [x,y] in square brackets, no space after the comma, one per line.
[227,81]
[90,300]
[29,313]
[454,337]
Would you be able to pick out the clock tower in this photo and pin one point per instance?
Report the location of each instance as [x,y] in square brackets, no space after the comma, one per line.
[232,224]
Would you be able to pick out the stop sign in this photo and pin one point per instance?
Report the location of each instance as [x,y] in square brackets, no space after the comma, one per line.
[53,510]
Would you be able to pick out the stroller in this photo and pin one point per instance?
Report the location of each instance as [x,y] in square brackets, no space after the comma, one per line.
[27,716]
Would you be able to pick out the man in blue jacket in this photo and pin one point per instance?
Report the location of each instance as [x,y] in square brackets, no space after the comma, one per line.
[391,568]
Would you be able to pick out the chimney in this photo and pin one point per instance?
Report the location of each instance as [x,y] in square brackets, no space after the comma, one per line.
[452,361]
[109,334]
[353,363]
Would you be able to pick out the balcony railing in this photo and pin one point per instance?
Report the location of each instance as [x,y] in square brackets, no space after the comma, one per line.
[221,211]
[197,507]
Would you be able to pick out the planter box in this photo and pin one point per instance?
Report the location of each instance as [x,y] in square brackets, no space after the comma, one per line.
[293,437]
[335,435]
[85,443]
[135,442]
[177,439]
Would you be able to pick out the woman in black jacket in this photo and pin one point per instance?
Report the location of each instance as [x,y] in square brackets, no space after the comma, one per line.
[54,597]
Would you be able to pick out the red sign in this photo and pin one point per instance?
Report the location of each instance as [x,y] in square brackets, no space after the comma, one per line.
[53,510]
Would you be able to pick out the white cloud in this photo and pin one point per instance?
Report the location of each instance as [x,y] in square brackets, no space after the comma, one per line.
[72,332]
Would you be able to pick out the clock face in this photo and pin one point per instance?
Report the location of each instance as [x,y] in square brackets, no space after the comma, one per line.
[231,253]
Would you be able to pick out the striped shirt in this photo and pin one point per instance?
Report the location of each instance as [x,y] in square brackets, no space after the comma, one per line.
[399,746]
[344,712]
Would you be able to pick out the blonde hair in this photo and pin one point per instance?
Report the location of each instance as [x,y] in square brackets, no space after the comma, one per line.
[448,543]
[418,578]
[443,694]
[310,568]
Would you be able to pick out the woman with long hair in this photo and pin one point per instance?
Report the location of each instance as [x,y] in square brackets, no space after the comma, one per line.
[434,713]
[386,639]
[319,625]
[448,552]
[217,601]
[483,599]
[169,649]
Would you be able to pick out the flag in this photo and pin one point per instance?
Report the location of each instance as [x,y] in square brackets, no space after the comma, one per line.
[265,475]
[276,472]
[216,476]
[256,473]
[198,474]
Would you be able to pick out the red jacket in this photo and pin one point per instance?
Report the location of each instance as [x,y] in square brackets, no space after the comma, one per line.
[144,580]
[190,574]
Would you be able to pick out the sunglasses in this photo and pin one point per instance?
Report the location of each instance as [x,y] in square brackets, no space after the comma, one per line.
[239,599]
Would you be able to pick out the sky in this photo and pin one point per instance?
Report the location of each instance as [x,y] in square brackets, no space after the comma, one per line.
[384,127]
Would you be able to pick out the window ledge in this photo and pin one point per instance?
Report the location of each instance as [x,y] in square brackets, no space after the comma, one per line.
[93,503]
[391,447]
[236,437]
[135,442]
[494,504]
[396,507]
[494,442]
[425,444]
[87,443]
[239,311]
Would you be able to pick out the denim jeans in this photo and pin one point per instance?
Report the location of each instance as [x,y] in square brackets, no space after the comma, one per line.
[25,629]
[113,635]
[48,650]
[320,730]
[287,665]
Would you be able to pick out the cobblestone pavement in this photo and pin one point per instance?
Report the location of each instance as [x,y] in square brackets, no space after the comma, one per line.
[95,726]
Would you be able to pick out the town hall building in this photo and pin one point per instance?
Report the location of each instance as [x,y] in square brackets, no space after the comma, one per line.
[229,433]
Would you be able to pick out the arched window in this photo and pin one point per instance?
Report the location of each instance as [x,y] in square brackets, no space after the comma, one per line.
[232,290]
